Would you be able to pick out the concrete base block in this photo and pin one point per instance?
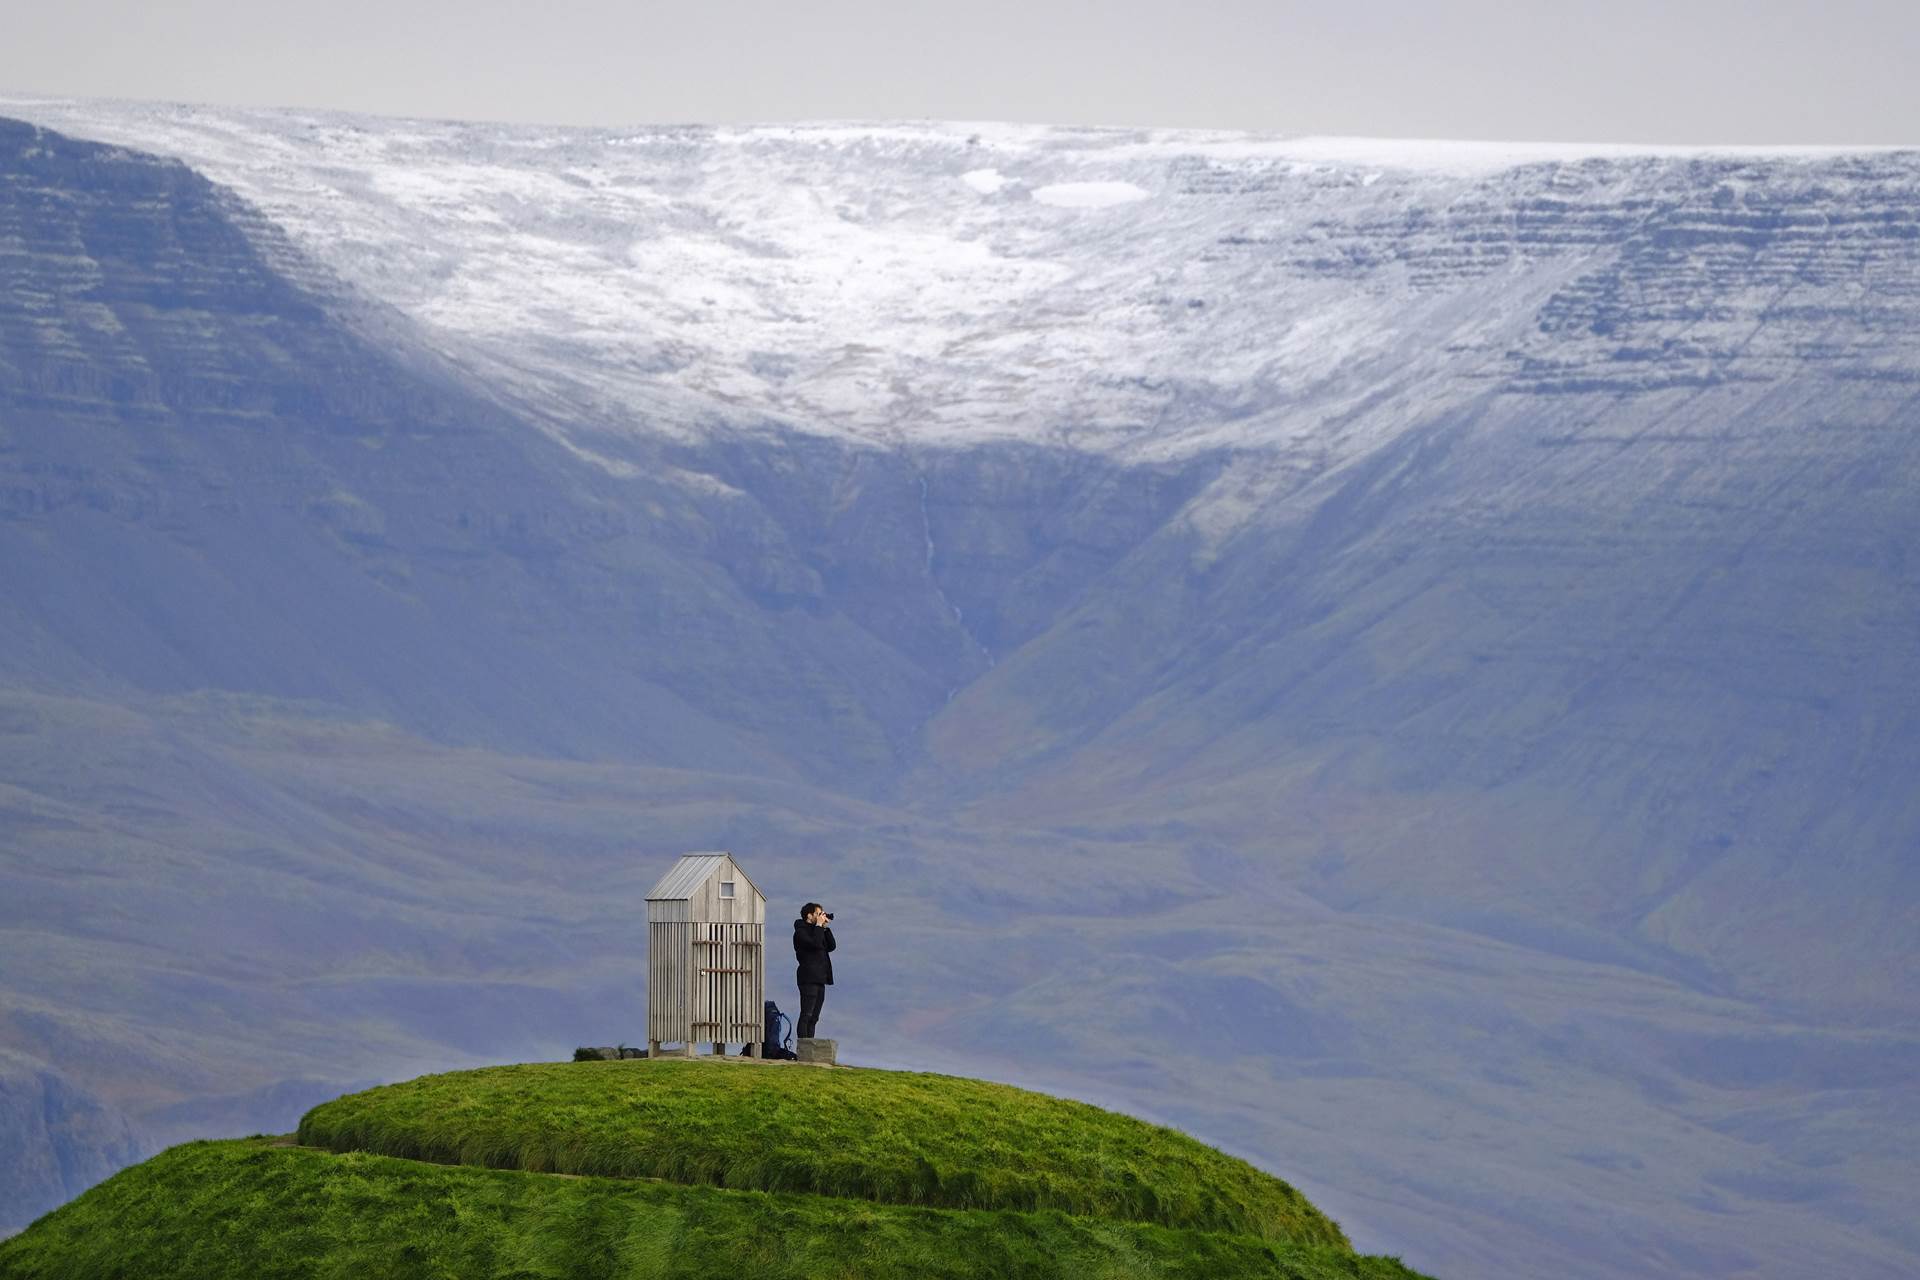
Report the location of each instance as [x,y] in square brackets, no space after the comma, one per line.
[812,1049]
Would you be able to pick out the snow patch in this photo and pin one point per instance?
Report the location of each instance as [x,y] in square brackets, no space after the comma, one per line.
[985,181]
[1089,195]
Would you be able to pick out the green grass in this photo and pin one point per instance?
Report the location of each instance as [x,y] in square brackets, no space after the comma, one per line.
[695,1169]
[249,1209]
[888,1136]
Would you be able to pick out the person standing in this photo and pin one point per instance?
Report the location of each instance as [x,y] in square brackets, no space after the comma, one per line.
[813,950]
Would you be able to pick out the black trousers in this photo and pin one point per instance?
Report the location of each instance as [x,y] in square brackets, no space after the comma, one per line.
[812,996]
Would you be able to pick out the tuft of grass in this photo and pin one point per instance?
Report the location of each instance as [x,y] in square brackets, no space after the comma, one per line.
[252,1210]
[894,1137]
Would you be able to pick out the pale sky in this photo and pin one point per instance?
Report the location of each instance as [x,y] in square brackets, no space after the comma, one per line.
[1678,71]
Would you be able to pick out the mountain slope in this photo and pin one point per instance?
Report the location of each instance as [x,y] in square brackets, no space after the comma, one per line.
[1678,711]
[215,480]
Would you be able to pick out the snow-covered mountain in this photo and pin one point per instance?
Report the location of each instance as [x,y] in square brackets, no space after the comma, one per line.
[1145,294]
[1417,633]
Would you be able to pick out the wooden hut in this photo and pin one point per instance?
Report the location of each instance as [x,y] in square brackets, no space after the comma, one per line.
[706,956]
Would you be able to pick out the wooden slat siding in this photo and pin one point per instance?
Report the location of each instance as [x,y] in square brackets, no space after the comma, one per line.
[669,1002]
[705,903]
[707,1013]
[729,983]
[683,957]
[706,958]
[757,980]
[657,1001]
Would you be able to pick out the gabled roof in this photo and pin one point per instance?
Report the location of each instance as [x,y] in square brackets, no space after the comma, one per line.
[688,874]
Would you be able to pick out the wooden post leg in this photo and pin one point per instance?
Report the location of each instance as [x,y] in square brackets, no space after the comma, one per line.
[653,1048]
[719,1050]
[753,1050]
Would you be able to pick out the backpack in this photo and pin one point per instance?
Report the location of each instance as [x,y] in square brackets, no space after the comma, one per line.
[776,1044]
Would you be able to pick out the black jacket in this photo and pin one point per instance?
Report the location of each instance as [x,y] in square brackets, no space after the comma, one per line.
[811,943]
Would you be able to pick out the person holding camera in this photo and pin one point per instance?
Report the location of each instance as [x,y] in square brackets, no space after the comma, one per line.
[813,948]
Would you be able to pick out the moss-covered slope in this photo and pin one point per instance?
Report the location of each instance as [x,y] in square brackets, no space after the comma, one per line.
[697,1169]
[894,1136]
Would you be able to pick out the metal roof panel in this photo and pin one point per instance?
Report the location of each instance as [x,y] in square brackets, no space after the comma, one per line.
[686,875]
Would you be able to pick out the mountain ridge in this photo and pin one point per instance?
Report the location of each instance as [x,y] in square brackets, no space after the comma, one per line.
[863,294]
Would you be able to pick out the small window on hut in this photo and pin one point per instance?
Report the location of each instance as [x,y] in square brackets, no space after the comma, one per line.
[726,888]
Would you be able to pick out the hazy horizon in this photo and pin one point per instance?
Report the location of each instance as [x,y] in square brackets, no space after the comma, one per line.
[1542,146]
[1714,74]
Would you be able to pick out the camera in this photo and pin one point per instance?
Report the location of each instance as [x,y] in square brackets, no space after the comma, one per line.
[827,914]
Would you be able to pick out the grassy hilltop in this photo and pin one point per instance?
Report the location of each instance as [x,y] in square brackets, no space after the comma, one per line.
[695,1168]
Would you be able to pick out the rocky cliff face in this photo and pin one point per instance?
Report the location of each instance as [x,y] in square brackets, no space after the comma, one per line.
[1432,623]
